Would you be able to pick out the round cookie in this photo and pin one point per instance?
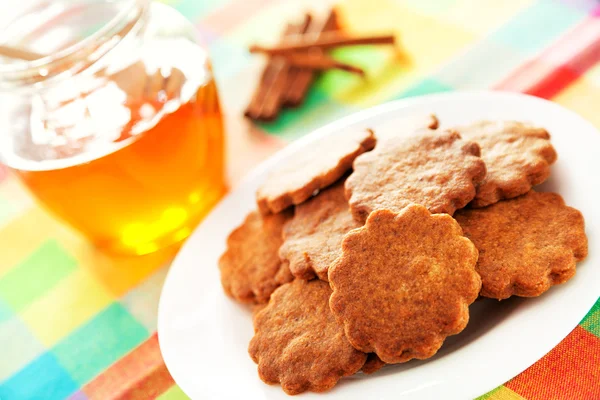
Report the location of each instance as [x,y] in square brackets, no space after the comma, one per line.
[517,156]
[250,267]
[404,283]
[312,169]
[526,244]
[298,343]
[312,240]
[437,170]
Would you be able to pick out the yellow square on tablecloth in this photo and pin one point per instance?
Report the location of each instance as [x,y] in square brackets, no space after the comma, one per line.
[72,302]
[583,96]
[425,49]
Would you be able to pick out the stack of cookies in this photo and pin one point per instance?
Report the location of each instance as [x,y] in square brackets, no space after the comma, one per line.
[365,252]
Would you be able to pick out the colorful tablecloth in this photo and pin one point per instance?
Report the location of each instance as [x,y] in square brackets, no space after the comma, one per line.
[77,323]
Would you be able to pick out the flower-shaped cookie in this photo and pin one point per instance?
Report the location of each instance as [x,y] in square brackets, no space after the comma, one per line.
[437,170]
[313,169]
[526,244]
[298,343]
[250,267]
[313,238]
[517,156]
[404,283]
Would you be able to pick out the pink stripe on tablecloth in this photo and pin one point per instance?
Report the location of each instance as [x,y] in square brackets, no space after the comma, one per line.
[558,65]
[579,50]
[141,374]
[232,14]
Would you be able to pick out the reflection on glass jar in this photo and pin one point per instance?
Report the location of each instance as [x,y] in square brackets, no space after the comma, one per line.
[115,123]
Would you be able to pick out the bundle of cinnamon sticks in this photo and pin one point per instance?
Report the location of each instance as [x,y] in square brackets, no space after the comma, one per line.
[293,63]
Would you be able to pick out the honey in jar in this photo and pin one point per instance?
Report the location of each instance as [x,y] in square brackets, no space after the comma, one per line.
[129,148]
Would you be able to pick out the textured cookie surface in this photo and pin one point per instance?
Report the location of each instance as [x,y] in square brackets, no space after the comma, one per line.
[526,244]
[517,156]
[404,283]
[312,169]
[298,343]
[313,238]
[373,364]
[250,267]
[438,171]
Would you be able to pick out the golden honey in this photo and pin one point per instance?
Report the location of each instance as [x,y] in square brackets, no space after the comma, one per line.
[152,191]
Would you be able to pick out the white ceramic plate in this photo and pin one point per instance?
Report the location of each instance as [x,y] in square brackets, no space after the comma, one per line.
[204,335]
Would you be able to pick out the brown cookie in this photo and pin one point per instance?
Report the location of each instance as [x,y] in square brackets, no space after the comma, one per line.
[437,170]
[250,267]
[526,244]
[298,343]
[373,364]
[313,238]
[313,169]
[517,156]
[404,283]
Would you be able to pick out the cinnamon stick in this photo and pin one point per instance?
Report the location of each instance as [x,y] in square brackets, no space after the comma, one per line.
[269,95]
[326,41]
[274,96]
[320,62]
[298,87]
[254,108]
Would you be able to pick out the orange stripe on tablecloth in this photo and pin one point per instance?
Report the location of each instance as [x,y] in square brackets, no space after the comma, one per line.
[231,15]
[570,371]
[141,374]
[558,65]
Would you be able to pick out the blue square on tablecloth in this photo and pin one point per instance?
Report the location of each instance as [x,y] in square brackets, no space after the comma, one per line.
[43,378]
[227,59]
[537,26]
[426,86]
[99,343]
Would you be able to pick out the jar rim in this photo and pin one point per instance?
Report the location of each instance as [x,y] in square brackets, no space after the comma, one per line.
[80,54]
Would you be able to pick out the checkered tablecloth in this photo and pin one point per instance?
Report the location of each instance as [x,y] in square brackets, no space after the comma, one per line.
[77,323]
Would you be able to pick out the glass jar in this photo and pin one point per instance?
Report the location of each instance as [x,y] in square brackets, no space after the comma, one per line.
[110,116]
